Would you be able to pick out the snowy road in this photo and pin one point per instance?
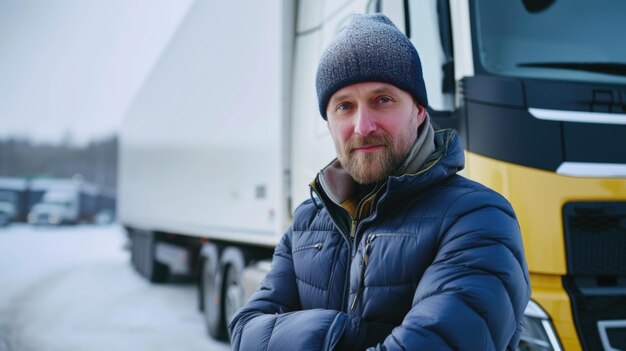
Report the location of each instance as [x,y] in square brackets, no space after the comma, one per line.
[73,288]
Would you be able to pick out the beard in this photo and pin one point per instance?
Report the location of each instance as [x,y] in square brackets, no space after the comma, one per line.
[371,167]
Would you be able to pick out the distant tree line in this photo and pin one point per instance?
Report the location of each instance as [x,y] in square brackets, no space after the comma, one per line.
[96,162]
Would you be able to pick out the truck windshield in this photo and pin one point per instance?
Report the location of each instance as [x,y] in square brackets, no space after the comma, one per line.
[564,39]
[59,203]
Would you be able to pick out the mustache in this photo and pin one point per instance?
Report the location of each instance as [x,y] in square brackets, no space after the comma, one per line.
[359,141]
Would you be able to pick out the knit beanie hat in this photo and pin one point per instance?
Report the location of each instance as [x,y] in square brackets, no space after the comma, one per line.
[370,48]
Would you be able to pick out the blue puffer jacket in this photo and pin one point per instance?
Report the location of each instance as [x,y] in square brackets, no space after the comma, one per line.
[437,264]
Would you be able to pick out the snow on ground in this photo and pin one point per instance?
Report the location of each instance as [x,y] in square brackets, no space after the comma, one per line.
[28,253]
[73,288]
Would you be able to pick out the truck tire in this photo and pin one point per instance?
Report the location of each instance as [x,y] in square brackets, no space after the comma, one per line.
[143,257]
[233,262]
[211,288]
[156,272]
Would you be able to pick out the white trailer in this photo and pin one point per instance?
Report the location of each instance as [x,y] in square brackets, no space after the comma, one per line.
[219,145]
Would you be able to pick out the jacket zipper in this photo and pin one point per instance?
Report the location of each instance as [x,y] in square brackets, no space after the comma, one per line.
[352,249]
[317,246]
[351,246]
[353,226]
[364,262]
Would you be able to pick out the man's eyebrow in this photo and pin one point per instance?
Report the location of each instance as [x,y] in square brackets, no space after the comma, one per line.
[339,97]
[379,90]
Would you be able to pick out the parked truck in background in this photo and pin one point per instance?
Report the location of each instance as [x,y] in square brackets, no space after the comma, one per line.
[62,201]
[55,201]
[220,143]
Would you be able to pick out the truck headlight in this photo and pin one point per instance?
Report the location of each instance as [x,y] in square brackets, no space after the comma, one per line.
[538,333]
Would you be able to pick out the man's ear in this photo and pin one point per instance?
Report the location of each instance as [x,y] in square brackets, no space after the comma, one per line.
[421,114]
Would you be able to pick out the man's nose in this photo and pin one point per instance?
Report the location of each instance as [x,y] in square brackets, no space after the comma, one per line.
[365,121]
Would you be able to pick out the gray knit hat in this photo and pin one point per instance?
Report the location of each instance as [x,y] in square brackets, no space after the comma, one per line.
[370,48]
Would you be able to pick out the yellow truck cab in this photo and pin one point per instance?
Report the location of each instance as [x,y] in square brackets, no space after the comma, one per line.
[540,102]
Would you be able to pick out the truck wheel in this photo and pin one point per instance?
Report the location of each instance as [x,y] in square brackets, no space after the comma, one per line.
[135,250]
[156,272]
[143,257]
[234,262]
[211,292]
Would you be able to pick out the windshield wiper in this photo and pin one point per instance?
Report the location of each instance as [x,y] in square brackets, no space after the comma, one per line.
[618,69]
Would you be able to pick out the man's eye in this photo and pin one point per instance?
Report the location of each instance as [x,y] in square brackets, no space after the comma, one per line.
[384,100]
[343,107]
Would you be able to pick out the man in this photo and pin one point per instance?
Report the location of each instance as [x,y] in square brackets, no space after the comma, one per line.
[394,251]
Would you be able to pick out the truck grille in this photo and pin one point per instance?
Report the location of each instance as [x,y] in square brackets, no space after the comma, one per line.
[595,242]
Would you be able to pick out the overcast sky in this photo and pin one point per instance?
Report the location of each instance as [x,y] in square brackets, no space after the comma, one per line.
[74,65]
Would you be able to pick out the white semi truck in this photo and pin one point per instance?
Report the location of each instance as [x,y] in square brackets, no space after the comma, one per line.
[219,145]
[62,201]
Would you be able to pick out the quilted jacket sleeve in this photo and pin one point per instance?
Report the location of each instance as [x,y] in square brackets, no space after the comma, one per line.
[474,294]
[273,319]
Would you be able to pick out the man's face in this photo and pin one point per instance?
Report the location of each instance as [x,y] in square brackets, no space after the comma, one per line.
[373,125]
